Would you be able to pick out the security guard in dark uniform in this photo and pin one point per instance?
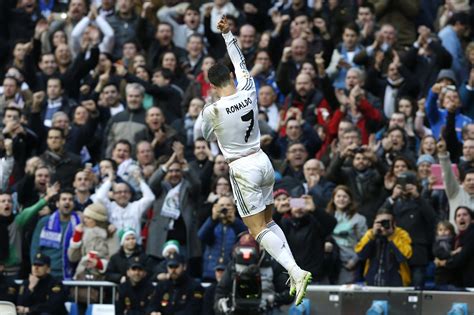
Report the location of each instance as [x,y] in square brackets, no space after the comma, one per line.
[136,292]
[8,287]
[180,294]
[41,293]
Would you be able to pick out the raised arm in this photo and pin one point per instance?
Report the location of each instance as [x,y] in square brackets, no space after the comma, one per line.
[244,80]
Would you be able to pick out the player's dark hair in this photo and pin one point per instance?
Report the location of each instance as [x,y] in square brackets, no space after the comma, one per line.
[219,75]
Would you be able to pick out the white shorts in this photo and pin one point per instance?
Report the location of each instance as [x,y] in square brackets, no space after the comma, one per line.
[252,178]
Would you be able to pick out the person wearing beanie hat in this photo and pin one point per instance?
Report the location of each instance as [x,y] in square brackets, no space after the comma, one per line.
[129,251]
[447,77]
[449,104]
[425,158]
[96,211]
[92,235]
[170,247]
[124,233]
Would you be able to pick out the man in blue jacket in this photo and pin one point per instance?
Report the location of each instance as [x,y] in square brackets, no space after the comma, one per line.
[219,233]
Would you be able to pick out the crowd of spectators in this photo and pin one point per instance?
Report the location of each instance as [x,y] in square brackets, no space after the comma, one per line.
[366,111]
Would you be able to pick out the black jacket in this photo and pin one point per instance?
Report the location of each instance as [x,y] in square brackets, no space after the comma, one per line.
[310,230]
[463,263]
[8,289]
[47,297]
[180,297]
[426,70]
[367,187]
[133,300]
[64,166]
[119,264]
[4,236]
[418,218]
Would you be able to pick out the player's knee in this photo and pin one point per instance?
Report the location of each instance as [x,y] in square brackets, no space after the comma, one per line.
[255,230]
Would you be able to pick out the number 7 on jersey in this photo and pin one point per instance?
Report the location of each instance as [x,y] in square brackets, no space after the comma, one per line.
[248,117]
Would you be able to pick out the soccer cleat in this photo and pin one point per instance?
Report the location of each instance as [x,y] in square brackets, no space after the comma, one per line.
[292,284]
[300,286]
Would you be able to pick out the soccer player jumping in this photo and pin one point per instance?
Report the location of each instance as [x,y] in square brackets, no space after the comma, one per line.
[233,120]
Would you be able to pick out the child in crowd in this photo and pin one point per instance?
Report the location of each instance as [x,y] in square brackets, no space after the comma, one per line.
[442,249]
[92,236]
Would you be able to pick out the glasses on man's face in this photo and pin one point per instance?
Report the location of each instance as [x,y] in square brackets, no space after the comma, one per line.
[174,170]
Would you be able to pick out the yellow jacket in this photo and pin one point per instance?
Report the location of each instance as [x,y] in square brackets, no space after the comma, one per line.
[401,239]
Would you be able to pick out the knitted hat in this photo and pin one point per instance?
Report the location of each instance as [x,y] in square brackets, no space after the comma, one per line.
[124,233]
[171,244]
[280,192]
[425,158]
[96,211]
[447,74]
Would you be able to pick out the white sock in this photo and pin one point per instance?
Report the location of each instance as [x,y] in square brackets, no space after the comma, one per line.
[275,228]
[274,245]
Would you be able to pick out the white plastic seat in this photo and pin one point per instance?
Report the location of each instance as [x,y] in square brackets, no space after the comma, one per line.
[7,308]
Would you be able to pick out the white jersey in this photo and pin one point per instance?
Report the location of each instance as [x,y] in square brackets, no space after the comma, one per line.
[234,119]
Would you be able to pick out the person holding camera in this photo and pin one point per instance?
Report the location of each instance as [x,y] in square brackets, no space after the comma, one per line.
[364,177]
[416,216]
[219,233]
[385,249]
